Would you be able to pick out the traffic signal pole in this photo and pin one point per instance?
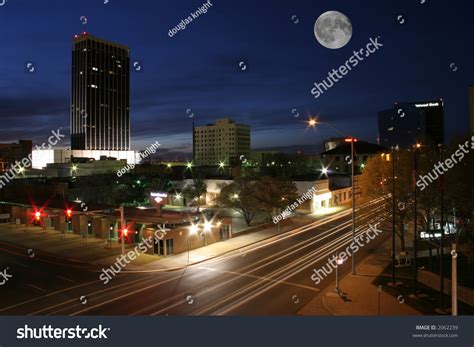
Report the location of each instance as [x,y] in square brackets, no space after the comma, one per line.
[122,225]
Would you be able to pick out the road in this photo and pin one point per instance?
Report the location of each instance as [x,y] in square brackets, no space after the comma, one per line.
[271,277]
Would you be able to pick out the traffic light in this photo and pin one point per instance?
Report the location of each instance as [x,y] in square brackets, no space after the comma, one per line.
[69,216]
[37,220]
[89,227]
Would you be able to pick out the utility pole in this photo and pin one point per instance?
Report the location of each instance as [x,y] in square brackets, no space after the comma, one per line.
[393,216]
[454,281]
[353,206]
[122,225]
[441,244]
[415,227]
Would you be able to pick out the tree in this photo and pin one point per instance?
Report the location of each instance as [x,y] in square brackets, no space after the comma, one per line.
[274,193]
[240,196]
[195,191]
[377,181]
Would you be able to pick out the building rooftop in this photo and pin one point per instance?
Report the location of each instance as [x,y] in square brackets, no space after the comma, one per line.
[86,36]
[360,147]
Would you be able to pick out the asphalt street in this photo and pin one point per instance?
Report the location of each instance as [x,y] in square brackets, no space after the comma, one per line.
[270,277]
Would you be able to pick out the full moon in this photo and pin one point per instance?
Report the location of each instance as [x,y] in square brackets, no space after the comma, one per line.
[333,29]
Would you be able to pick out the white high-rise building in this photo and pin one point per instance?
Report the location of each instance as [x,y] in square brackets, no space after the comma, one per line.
[221,143]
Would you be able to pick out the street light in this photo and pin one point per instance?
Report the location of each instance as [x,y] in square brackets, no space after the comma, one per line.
[393,214]
[207,228]
[193,229]
[339,261]
[415,226]
[441,241]
[312,122]
[189,165]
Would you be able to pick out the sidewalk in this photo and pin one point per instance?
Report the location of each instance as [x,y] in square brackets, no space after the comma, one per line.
[67,245]
[362,295]
[95,251]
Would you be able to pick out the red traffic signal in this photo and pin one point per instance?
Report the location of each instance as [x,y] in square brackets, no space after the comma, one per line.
[69,212]
[37,215]
[125,232]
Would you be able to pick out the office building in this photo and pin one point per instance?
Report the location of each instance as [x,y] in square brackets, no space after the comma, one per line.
[100,106]
[333,142]
[100,95]
[406,123]
[222,142]
[14,152]
[338,160]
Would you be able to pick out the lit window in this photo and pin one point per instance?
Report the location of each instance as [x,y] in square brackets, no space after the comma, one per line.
[93,86]
[95,69]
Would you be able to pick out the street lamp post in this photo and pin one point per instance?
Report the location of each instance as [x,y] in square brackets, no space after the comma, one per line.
[189,248]
[207,228]
[441,244]
[339,261]
[353,205]
[415,226]
[393,215]
[312,122]
[454,280]
[193,230]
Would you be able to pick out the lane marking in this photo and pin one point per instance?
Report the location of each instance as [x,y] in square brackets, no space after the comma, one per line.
[65,279]
[261,278]
[38,288]
[306,260]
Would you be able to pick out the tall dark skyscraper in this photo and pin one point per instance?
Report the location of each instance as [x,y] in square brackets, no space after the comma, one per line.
[407,123]
[100,95]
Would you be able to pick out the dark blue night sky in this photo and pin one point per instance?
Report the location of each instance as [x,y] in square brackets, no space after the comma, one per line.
[198,68]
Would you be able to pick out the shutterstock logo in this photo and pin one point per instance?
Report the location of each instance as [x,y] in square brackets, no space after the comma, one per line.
[48,332]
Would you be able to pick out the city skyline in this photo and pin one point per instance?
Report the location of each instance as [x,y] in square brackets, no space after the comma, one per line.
[267,95]
[236,159]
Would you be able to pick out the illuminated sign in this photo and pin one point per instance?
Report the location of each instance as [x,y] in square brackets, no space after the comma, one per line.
[159,198]
[429,104]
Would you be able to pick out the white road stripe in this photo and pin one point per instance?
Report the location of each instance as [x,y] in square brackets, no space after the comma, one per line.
[38,288]
[65,279]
